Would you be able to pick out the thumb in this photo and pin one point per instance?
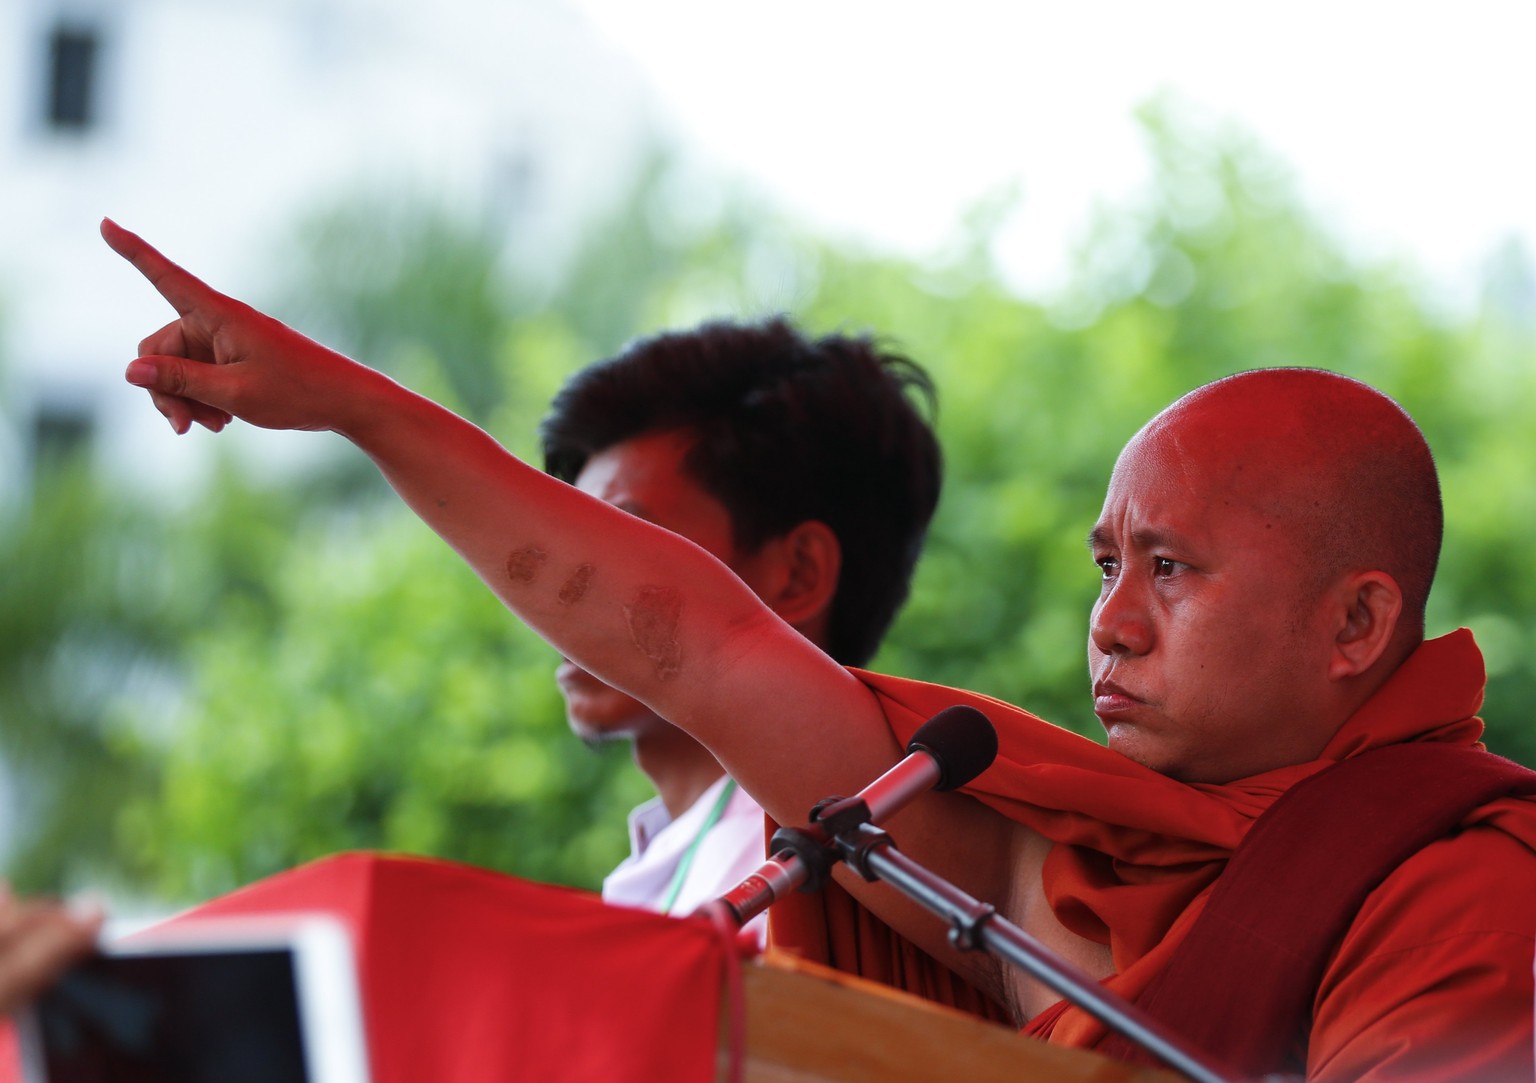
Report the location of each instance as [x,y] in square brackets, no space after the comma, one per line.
[181,390]
[179,376]
[166,374]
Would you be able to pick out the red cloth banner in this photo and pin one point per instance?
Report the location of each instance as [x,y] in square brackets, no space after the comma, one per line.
[471,976]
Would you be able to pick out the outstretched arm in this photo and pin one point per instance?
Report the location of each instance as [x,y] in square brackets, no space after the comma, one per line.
[643,609]
[646,610]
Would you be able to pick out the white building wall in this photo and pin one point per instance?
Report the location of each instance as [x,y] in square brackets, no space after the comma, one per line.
[223,120]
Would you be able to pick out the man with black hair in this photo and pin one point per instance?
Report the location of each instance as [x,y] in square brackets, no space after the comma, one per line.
[805,467]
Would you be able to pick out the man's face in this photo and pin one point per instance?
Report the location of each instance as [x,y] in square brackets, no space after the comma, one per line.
[1207,646]
[644,476]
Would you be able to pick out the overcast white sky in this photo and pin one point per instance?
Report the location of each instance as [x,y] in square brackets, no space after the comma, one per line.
[1409,124]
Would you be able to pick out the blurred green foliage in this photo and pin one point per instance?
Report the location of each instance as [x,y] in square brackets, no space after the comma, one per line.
[284,673]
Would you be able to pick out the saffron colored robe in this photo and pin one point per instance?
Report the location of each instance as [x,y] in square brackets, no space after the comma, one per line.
[1433,980]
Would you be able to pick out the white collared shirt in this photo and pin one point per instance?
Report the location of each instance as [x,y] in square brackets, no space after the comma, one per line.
[729,852]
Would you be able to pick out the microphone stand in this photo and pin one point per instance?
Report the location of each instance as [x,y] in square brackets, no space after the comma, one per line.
[947,751]
[976,925]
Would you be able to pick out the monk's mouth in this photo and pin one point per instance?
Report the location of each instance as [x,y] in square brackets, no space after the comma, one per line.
[1114,703]
[1111,700]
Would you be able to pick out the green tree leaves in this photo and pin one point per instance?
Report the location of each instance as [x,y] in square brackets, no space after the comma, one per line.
[283,673]
[389,704]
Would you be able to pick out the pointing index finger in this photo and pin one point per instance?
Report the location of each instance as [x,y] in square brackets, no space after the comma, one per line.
[183,290]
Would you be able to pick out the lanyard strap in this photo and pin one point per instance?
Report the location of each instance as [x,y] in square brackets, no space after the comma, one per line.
[686,863]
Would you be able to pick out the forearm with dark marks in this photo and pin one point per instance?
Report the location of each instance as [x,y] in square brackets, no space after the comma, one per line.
[575,588]
[523,565]
[653,619]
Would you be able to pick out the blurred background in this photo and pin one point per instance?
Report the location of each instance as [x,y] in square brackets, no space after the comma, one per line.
[220,657]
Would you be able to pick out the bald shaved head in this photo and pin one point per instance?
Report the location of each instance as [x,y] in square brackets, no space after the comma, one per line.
[1267,545]
[1338,464]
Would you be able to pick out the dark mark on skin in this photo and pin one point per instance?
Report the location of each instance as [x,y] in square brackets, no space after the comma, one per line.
[572,590]
[653,621]
[524,564]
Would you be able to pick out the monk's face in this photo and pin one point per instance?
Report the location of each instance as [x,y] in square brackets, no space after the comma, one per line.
[1207,646]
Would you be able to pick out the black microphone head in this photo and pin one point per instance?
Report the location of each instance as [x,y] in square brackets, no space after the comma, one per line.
[961,741]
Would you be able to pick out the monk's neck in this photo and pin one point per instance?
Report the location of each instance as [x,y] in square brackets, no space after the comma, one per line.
[679,767]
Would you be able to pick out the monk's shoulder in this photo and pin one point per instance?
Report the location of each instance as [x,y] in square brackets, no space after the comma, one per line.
[1434,978]
[1480,880]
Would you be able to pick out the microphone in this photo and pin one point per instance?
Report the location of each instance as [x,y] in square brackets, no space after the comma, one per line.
[946,752]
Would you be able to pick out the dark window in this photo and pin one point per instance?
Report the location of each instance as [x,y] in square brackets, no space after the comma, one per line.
[73,55]
[61,433]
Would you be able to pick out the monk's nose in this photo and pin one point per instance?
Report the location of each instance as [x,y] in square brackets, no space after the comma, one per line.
[1121,622]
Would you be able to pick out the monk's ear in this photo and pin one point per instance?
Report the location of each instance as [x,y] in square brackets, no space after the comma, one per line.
[810,559]
[1368,605]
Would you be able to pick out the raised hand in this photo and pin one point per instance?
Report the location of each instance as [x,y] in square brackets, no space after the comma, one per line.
[221,359]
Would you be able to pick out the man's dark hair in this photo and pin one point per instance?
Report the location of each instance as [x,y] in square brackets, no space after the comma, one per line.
[788,429]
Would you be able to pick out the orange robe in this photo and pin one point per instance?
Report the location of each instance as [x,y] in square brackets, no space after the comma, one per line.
[1432,981]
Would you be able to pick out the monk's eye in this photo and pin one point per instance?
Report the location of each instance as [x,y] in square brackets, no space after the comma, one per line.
[1163,567]
[1108,566]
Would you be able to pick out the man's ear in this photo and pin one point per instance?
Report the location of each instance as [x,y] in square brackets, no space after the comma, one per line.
[810,561]
[1369,605]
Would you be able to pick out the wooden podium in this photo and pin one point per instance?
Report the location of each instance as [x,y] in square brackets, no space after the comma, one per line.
[470,976]
[807,1024]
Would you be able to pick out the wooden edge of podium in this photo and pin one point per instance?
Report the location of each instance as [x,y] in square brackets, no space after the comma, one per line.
[806,1023]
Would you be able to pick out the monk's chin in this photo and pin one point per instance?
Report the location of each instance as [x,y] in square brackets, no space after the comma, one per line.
[1134,745]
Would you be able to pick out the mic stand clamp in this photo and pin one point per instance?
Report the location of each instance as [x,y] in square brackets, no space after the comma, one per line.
[815,855]
[832,818]
[840,815]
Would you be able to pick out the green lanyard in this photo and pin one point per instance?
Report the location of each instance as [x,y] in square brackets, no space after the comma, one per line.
[686,863]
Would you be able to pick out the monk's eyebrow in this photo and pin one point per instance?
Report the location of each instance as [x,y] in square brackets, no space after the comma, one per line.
[1157,538]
